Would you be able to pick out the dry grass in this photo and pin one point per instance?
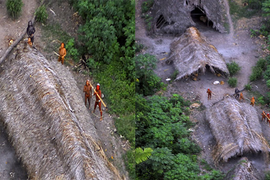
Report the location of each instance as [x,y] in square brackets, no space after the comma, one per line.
[191,52]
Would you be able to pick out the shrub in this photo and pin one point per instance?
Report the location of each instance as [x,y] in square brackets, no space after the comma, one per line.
[72,51]
[248,87]
[266,74]
[232,82]
[14,7]
[261,100]
[41,14]
[256,73]
[261,63]
[147,5]
[233,68]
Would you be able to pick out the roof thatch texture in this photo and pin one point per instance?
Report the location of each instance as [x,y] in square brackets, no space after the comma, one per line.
[192,52]
[244,170]
[236,128]
[43,120]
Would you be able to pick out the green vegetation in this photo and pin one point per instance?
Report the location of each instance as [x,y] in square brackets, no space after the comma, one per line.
[267,176]
[41,14]
[232,82]
[233,68]
[146,5]
[14,8]
[147,82]
[162,124]
[248,87]
[253,7]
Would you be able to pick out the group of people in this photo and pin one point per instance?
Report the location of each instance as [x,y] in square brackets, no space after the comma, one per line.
[238,95]
[30,32]
[88,95]
[62,53]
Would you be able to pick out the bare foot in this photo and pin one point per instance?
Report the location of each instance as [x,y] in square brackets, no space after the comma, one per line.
[100,119]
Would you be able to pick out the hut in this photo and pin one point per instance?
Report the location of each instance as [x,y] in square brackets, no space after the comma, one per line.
[174,16]
[42,111]
[192,53]
[236,129]
[243,170]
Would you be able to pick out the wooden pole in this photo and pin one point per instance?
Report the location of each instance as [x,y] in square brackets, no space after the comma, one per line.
[98,95]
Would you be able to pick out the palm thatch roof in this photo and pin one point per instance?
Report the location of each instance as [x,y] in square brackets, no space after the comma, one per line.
[41,109]
[191,52]
[236,128]
[244,170]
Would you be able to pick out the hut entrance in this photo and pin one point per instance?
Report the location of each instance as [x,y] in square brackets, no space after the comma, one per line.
[199,17]
[161,22]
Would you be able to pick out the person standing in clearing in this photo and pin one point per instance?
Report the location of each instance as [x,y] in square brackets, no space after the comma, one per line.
[88,92]
[30,32]
[62,53]
[98,101]
[252,101]
[209,92]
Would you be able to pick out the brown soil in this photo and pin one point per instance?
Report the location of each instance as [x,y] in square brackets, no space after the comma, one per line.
[236,46]
[59,13]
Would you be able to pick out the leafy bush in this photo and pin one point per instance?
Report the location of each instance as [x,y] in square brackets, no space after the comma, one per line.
[232,82]
[146,5]
[248,87]
[147,81]
[138,47]
[266,74]
[14,7]
[261,100]
[256,73]
[41,14]
[261,63]
[72,51]
[233,68]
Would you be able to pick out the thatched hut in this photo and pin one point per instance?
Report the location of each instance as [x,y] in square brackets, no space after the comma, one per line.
[42,111]
[236,128]
[191,52]
[174,16]
[244,170]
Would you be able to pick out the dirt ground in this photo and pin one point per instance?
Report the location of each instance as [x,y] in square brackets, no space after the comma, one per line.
[59,13]
[236,46]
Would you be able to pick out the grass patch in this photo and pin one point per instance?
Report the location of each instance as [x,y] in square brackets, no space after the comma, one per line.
[146,5]
[242,11]
[248,87]
[232,82]
[125,127]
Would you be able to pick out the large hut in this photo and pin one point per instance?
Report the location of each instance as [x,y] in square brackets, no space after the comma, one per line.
[236,129]
[191,53]
[42,110]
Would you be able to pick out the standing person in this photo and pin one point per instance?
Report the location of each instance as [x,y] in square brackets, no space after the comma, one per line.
[236,93]
[62,53]
[263,116]
[87,89]
[241,97]
[209,92]
[98,102]
[252,101]
[30,31]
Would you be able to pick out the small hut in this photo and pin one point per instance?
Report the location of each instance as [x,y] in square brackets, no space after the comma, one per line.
[236,128]
[244,170]
[191,53]
[41,108]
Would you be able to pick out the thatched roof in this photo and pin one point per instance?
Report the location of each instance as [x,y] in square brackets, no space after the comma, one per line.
[41,109]
[244,170]
[236,128]
[192,52]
